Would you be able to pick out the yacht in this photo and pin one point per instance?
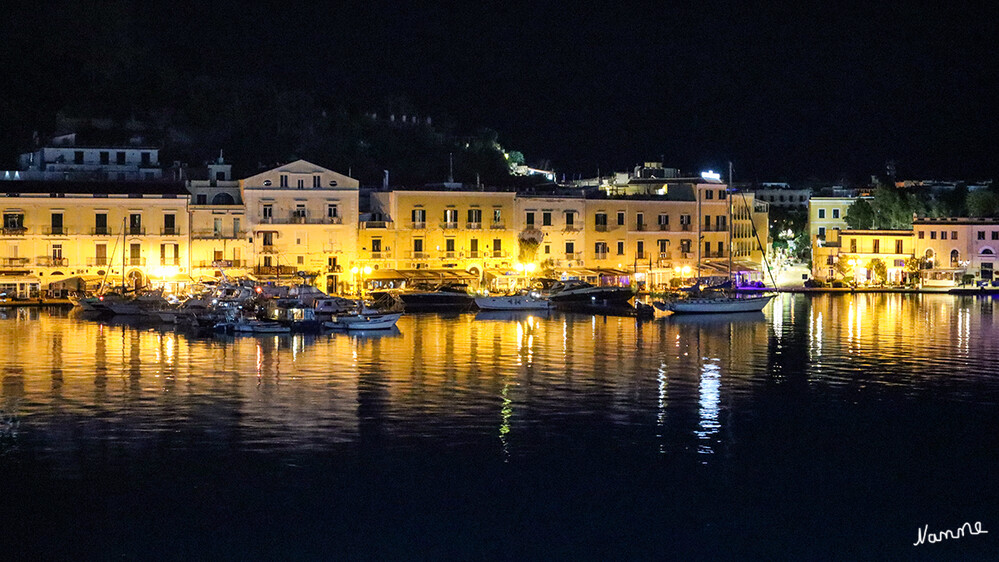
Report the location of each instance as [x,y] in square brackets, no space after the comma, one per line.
[451,296]
[525,300]
[716,303]
[580,292]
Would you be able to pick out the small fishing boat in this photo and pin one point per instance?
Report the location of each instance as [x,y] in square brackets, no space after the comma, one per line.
[722,303]
[364,319]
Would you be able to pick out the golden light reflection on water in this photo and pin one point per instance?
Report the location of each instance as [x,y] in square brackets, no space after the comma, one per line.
[469,378]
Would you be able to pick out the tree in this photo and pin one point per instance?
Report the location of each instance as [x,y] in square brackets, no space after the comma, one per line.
[880,270]
[844,269]
[860,215]
[982,203]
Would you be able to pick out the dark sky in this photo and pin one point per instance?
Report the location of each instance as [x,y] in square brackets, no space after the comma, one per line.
[826,92]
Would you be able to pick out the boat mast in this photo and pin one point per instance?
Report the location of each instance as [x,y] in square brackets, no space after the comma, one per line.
[731,190]
[700,236]
[124,225]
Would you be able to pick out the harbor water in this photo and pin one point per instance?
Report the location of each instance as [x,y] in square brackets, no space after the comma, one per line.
[827,427]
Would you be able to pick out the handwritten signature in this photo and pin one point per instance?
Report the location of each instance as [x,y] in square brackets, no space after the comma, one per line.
[925,536]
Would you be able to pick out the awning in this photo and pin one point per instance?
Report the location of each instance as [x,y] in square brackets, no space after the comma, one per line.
[77,283]
[612,272]
[439,275]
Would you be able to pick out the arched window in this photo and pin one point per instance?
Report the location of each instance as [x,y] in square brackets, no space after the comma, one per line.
[223,199]
[987,251]
[955,257]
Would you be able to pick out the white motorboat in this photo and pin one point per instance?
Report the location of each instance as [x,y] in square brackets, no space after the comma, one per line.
[366,320]
[522,301]
[716,304]
[259,327]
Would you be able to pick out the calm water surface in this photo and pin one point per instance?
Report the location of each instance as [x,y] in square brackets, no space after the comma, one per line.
[828,427]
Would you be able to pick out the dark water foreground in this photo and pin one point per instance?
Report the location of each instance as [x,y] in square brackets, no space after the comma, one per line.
[832,427]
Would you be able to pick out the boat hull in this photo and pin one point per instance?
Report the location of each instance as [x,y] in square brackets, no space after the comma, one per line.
[720,305]
[512,303]
[365,322]
[436,301]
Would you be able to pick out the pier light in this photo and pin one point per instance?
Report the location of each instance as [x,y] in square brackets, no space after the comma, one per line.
[686,270]
[354,270]
[530,267]
[367,270]
[518,266]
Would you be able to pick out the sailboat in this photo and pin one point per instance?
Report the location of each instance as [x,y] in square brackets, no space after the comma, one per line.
[719,299]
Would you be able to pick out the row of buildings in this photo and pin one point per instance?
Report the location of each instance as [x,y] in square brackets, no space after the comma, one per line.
[75,217]
[936,252]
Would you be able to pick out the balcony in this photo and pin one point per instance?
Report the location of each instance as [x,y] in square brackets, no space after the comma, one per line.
[55,231]
[50,261]
[500,254]
[274,270]
[170,231]
[474,254]
[641,227]
[380,255]
[419,255]
[268,249]
[571,228]
[418,225]
[498,226]
[664,227]
[98,262]
[334,269]
[13,231]
[13,263]
[170,261]
[135,261]
[600,228]
[334,220]
[714,228]
[474,226]
[235,264]
[641,255]
[377,225]
[218,234]
[450,255]
[688,255]
[665,255]
[600,255]
[100,231]
[574,255]
[449,225]
[685,227]
[136,231]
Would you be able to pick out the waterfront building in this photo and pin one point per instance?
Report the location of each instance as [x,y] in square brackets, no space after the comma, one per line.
[302,221]
[783,195]
[219,237]
[70,157]
[61,236]
[952,248]
[826,214]
[852,254]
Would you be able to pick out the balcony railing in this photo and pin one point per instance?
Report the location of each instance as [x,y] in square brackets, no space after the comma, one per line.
[275,270]
[55,230]
[135,261]
[170,231]
[100,231]
[685,227]
[419,255]
[8,263]
[450,255]
[641,226]
[13,230]
[268,250]
[574,255]
[571,228]
[449,225]
[665,255]
[376,224]
[664,227]
[600,255]
[94,262]
[641,255]
[474,226]
[500,254]
[136,231]
[687,255]
[474,254]
[235,264]
[498,225]
[381,255]
[218,234]
[50,261]
[169,261]
[418,225]
[334,269]
[600,228]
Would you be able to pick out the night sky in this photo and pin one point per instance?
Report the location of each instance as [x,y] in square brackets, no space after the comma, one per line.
[828,93]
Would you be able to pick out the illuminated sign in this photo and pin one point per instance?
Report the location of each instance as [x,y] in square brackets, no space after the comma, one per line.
[711,175]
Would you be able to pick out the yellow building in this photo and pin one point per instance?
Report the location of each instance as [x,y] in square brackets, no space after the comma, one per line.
[58,236]
[951,248]
[219,238]
[302,219]
[852,253]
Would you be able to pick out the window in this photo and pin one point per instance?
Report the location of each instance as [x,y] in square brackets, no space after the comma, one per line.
[56,252]
[451,216]
[170,224]
[898,247]
[663,222]
[640,249]
[120,158]
[201,199]
[78,157]
[316,181]
[419,217]
[105,158]
[943,234]
[101,254]
[822,213]
[449,245]
[721,248]
[101,223]
[546,218]
[721,194]
[570,216]
[135,224]
[921,234]
[707,248]
[600,248]
[981,235]
[217,228]
[933,235]
[530,220]
[417,245]
[497,216]
[284,180]
[376,245]
[600,220]
[548,249]
[570,248]
[877,246]
[995,235]
[853,245]
[300,184]
[497,248]
[57,223]
[332,211]
[146,159]
[709,194]
[640,221]
[835,213]
[620,219]
[268,212]
[300,211]
[685,245]
[268,239]
[953,235]
[267,183]
[620,248]
[822,232]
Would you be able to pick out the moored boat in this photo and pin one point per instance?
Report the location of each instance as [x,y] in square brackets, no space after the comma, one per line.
[522,301]
[366,320]
[567,293]
[454,296]
[721,303]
